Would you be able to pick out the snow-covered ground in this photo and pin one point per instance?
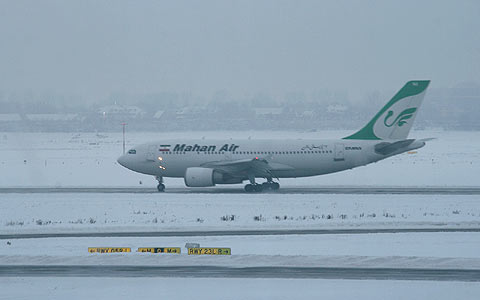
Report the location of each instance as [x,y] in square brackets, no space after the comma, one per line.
[392,250]
[89,159]
[441,244]
[89,212]
[60,212]
[219,288]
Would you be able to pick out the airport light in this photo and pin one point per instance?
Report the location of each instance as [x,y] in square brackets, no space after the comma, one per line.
[123,126]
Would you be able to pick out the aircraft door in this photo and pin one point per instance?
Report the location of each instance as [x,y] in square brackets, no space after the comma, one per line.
[339,154]
[151,152]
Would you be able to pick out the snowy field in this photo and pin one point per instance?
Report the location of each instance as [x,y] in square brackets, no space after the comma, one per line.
[63,212]
[439,245]
[44,213]
[218,288]
[89,159]
[393,250]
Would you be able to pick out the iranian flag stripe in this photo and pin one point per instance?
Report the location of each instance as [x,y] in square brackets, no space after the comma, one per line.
[164,148]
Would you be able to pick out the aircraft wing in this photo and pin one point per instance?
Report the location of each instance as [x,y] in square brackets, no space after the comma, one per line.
[242,167]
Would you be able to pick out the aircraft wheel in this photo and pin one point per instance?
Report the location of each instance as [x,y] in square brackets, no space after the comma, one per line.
[161,187]
[249,188]
[258,188]
[275,186]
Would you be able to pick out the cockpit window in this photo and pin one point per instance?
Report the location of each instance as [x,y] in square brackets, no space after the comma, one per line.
[133,151]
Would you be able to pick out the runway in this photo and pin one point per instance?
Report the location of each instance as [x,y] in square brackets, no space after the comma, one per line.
[230,272]
[239,190]
[230,232]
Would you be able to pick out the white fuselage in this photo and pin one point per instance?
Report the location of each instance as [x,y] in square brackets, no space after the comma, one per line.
[288,158]
[205,163]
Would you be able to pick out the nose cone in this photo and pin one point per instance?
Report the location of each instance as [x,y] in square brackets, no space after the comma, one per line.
[122,160]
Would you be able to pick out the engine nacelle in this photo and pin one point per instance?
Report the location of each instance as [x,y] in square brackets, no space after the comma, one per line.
[202,177]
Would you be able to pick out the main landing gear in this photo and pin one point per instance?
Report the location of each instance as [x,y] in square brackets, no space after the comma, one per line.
[160,186]
[271,185]
[253,187]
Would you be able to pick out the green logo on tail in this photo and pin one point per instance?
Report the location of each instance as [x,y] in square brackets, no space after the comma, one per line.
[400,120]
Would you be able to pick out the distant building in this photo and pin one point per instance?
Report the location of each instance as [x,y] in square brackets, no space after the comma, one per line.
[158,115]
[10,118]
[120,112]
[268,111]
[308,114]
[52,117]
[53,122]
[337,108]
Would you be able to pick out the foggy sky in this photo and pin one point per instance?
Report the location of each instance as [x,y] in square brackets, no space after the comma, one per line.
[94,48]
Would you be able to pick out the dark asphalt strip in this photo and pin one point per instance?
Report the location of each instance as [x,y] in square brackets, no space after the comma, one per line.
[285,190]
[231,233]
[247,272]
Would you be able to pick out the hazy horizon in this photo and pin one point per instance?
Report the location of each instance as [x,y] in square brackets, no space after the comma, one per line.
[93,49]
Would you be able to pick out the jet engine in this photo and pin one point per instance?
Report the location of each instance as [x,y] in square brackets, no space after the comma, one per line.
[202,177]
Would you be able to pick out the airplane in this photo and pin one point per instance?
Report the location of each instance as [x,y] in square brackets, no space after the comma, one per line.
[205,163]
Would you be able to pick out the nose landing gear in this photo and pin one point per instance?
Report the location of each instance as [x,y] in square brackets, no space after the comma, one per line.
[160,186]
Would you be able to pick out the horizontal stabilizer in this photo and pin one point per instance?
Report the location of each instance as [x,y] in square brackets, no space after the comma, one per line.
[386,148]
[393,148]
[427,139]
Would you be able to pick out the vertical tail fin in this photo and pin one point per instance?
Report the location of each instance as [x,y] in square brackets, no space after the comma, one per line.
[395,119]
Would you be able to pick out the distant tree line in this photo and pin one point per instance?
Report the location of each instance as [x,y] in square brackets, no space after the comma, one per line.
[452,108]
